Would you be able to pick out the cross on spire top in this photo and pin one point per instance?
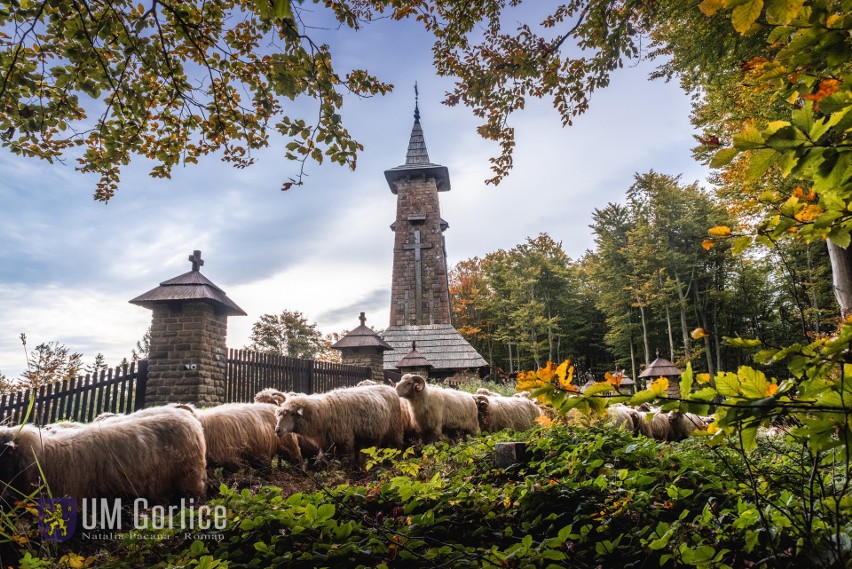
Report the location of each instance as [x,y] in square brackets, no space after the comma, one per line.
[363,319]
[197,261]
[416,103]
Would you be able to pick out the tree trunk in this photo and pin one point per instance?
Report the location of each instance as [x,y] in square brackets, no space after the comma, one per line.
[841,271]
[633,362]
[644,332]
[702,317]
[684,327]
[716,336]
[511,364]
[668,323]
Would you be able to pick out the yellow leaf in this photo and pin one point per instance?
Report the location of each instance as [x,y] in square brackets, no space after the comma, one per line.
[659,386]
[720,231]
[564,375]
[771,389]
[546,373]
[710,7]
[702,378]
[831,20]
[708,244]
[713,427]
[698,333]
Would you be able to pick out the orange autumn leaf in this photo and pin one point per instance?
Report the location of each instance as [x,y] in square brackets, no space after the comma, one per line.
[614,379]
[544,421]
[827,87]
[809,213]
[800,193]
[771,389]
[720,231]
[698,333]
[708,244]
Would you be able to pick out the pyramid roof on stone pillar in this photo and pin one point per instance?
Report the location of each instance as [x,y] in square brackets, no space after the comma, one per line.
[417,163]
[190,286]
[413,359]
[440,344]
[362,337]
[661,366]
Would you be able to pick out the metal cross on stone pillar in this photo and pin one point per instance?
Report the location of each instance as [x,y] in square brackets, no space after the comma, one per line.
[417,246]
[197,261]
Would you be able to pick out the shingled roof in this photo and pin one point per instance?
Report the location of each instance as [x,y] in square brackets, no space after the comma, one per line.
[417,161]
[190,286]
[362,337]
[440,344]
[413,359]
[661,366]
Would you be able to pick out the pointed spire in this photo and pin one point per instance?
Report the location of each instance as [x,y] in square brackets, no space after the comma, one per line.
[417,153]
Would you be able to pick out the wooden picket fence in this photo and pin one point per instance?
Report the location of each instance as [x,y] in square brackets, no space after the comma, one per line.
[118,390]
[248,372]
[122,389]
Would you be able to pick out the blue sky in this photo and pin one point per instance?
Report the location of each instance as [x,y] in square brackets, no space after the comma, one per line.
[69,265]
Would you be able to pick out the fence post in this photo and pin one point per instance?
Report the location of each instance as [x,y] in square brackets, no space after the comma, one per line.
[310,377]
[141,383]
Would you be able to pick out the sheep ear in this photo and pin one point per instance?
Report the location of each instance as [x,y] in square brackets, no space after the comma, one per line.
[300,411]
[11,445]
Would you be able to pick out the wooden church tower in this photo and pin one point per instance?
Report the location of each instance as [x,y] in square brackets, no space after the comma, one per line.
[420,296]
[420,290]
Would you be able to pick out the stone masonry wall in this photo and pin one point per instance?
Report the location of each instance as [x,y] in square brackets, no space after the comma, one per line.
[419,195]
[188,355]
[365,357]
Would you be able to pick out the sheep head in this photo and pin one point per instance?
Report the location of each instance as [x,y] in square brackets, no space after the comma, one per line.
[291,416]
[482,404]
[410,385]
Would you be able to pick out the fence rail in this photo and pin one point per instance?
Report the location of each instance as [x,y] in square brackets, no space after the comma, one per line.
[118,390]
[248,372]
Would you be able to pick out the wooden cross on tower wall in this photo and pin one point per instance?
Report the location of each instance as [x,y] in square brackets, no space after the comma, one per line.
[417,246]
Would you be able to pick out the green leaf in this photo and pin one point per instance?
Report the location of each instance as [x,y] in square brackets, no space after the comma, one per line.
[740,244]
[686,381]
[642,397]
[746,14]
[760,161]
[728,384]
[723,157]
[782,11]
[748,139]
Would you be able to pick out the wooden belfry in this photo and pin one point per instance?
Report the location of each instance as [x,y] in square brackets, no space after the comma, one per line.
[420,289]
[420,293]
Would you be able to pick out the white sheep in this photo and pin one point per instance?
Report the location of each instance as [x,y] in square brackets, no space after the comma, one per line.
[438,411]
[344,419]
[158,455]
[240,434]
[496,413]
[270,395]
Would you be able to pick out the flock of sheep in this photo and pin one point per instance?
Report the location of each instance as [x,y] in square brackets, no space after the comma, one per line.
[162,453]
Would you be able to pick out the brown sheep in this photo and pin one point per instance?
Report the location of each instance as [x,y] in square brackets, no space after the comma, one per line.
[438,411]
[159,455]
[498,413]
[344,419]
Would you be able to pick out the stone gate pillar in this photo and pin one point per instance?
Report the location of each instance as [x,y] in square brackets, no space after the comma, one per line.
[189,327]
[363,347]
